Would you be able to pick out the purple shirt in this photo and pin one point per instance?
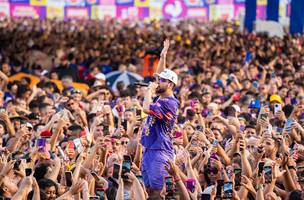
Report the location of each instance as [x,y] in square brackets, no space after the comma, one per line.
[158,129]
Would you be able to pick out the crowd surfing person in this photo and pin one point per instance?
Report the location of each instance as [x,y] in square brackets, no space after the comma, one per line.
[223,120]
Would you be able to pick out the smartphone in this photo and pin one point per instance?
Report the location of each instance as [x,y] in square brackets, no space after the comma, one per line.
[263,116]
[279,131]
[237,177]
[78,144]
[169,185]
[124,124]
[94,198]
[190,185]
[140,178]
[126,168]
[62,153]
[127,157]
[277,108]
[2,110]
[17,164]
[228,186]
[288,125]
[219,189]
[210,114]
[28,171]
[116,169]
[41,143]
[199,128]
[178,134]
[96,177]
[205,196]
[268,174]
[138,112]
[300,174]
[106,131]
[261,167]
[215,142]
[68,178]
[100,193]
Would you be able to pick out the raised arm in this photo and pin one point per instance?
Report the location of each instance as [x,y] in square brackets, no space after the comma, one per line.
[162,62]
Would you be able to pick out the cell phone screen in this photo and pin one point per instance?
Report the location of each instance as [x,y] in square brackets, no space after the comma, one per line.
[40,143]
[261,166]
[124,124]
[106,130]
[219,188]
[300,174]
[169,184]
[126,168]
[238,173]
[94,198]
[268,174]
[68,178]
[28,171]
[100,193]
[140,178]
[228,190]
[96,177]
[190,184]
[116,169]
[138,112]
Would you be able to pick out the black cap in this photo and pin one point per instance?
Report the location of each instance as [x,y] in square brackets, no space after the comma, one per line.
[75,127]
[33,116]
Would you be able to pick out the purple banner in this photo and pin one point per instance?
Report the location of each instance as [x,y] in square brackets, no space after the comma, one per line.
[124,2]
[77,12]
[239,1]
[27,11]
[92,2]
[19,1]
[261,12]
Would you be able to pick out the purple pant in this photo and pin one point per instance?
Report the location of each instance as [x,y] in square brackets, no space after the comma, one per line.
[153,168]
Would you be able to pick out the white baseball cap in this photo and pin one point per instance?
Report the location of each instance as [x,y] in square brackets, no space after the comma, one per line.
[100,76]
[169,75]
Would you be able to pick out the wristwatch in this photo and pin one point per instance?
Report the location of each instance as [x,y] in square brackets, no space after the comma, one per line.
[259,186]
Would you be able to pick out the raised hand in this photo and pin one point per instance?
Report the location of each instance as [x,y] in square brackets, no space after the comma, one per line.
[247,183]
[165,48]
[77,187]
[7,168]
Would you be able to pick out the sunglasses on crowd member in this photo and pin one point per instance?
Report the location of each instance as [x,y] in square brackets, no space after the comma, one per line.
[124,142]
[105,93]
[75,91]
[162,80]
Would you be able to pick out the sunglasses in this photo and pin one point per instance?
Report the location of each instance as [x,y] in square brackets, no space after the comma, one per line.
[70,104]
[105,93]
[162,80]
[124,142]
[76,91]
[116,143]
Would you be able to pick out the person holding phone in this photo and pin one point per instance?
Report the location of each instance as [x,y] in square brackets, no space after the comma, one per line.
[157,138]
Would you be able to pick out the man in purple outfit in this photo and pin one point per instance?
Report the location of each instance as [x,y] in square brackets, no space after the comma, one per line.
[157,132]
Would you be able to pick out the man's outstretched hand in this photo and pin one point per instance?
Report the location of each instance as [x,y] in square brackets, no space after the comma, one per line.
[165,48]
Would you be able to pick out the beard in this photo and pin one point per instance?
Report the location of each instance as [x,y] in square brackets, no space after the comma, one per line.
[160,90]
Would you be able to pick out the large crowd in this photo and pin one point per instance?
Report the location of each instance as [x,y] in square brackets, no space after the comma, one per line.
[239,133]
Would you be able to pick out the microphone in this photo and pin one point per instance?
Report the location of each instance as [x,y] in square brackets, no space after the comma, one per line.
[141,84]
